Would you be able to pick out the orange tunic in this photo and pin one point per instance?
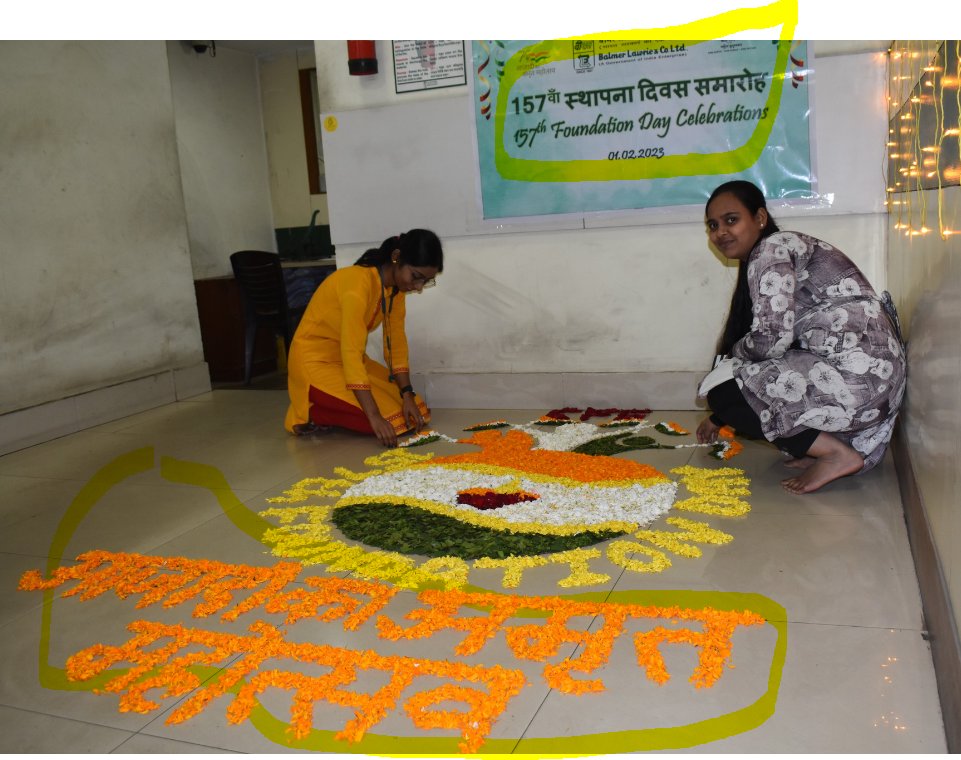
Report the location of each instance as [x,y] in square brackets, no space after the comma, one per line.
[328,351]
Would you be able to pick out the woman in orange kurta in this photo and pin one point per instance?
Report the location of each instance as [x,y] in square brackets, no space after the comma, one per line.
[330,379]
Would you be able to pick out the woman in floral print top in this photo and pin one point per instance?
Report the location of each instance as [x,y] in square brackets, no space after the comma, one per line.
[819,367]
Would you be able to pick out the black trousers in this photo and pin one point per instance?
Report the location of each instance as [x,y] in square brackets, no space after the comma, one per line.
[729,407]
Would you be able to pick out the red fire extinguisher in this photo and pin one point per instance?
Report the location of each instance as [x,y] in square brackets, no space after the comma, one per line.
[361,57]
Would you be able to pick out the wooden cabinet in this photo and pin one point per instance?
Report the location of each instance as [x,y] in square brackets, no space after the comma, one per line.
[221,315]
[222,332]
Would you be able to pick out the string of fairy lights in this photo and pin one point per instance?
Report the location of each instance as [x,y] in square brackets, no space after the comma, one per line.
[924,141]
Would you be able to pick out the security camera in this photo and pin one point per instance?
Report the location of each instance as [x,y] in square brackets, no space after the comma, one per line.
[200,47]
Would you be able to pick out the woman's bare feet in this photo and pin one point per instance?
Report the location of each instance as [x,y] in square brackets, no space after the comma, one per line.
[832,459]
[801,463]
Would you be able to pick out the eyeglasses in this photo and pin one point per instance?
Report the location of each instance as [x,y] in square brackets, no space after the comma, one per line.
[421,281]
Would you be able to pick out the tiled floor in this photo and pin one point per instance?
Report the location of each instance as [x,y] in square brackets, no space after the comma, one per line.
[840,665]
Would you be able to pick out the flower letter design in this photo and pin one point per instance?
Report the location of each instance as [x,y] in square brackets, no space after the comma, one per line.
[770,284]
[789,385]
[846,287]
[829,418]
[883,369]
[779,303]
[855,361]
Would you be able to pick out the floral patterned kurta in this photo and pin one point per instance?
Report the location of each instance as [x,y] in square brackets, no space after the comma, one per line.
[821,352]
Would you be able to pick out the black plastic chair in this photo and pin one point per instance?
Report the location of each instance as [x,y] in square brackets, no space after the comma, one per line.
[264,296]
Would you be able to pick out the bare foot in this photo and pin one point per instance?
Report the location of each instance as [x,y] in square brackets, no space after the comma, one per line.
[832,460]
[802,463]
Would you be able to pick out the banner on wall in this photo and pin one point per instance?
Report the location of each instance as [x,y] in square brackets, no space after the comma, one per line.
[601,125]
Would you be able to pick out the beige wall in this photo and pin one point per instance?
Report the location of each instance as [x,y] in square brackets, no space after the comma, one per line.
[924,269]
[223,159]
[514,311]
[293,205]
[96,285]
[925,275]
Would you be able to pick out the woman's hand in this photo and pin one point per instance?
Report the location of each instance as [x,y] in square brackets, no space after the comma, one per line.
[707,431]
[412,415]
[383,430]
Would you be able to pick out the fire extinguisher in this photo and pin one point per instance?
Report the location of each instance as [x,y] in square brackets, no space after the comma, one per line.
[361,57]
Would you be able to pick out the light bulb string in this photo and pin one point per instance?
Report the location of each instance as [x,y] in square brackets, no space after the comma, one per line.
[935,65]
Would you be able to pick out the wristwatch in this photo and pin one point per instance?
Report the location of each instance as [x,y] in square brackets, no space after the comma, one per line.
[406,389]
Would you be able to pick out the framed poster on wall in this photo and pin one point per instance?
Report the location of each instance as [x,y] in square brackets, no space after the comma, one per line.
[428,64]
[575,126]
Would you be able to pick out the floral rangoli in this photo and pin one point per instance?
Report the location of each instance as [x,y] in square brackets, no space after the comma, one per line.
[522,496]
[510,498]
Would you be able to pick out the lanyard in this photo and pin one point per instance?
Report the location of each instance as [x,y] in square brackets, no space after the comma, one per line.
[386,308]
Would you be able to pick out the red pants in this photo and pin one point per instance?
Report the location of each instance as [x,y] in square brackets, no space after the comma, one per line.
[329,410]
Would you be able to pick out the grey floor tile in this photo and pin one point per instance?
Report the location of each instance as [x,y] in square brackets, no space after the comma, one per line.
[187,480]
